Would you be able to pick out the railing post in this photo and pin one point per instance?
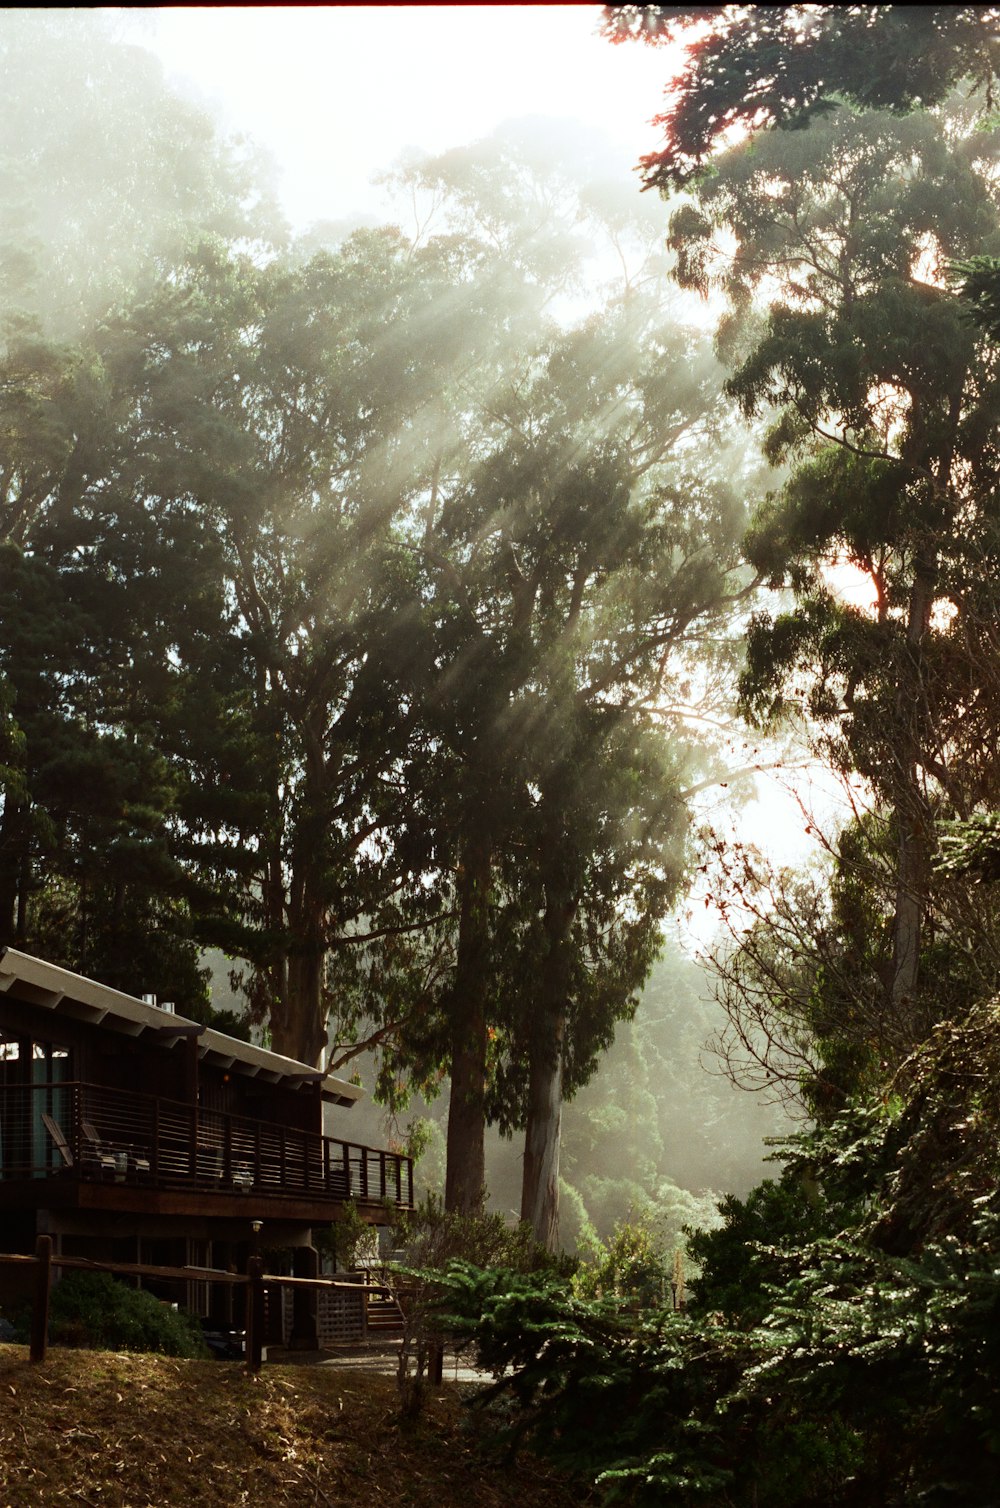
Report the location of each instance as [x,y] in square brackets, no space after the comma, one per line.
[399,1180]
[40,1308]
[255,1315]
[381,1168]
[75,1135]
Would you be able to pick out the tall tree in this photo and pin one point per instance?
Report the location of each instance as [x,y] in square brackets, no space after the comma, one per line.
[108,177]
[886,409]
[568,552]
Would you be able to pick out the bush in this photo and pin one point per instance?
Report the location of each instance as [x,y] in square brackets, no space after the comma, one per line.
[430,1240]
[844,1347]
[95,1311]
[633,1264]
[432,1236]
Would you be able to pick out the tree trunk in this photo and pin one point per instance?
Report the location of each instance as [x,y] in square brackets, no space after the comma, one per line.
[543,1128]
[13,871]
[298,1023]
[465,1178]
[542,1135]
[910,807]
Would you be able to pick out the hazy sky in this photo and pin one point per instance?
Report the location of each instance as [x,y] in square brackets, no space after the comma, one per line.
[338,92]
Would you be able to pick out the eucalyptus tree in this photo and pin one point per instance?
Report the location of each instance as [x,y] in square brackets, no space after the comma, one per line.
[569,545]
[751,68]
[629,560]
[885,406]
[111,574]
[108,174]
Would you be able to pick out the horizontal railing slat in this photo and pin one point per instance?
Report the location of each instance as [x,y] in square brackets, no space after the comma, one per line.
[126,1136]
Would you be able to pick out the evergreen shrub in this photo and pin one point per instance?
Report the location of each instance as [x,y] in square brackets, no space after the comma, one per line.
[95,1311]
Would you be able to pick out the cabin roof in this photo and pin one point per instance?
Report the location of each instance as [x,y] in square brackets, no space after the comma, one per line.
[60,990]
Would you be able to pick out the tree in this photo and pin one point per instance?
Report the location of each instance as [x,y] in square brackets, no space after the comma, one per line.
[885,404]
[752,68]
[108,174]
[585,550]
[565,549]
[107,178]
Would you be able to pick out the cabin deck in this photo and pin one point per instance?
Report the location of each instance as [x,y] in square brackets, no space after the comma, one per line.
[79,1145]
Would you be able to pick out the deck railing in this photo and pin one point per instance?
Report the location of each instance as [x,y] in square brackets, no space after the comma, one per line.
[85,1131]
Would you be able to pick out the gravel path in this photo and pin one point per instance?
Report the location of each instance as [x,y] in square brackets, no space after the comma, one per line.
[381,1357]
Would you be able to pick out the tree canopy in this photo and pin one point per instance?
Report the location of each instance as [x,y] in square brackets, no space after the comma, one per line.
[753,67]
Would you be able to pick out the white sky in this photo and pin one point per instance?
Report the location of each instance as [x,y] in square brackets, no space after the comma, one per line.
[338,92]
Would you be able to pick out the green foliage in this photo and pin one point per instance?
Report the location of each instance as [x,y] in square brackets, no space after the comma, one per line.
[971,847]
[863,1367]
[737,1271]
[874,381]
[653,1118]
[978,281]
[784,65]
[430,1237]
[634,1263]
[101,1313]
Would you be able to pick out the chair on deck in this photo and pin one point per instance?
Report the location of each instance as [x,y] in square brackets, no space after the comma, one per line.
[339,1181]
[242,1177]
[126,1161]
[98,1158]
[59,1141]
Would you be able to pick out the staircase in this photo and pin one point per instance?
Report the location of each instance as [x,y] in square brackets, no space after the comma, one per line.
[385,1317]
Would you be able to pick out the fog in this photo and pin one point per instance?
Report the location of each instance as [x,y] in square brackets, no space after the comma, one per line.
[293,411]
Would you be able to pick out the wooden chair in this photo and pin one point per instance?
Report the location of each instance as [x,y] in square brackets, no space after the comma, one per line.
[135,1164]
[97,1156]
[59,1141]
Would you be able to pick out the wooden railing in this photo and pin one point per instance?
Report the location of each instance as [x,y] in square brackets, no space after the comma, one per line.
[255,1280]
[83,1130]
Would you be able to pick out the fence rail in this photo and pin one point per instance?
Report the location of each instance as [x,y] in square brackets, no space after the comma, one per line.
[78,1130]
[255,1280]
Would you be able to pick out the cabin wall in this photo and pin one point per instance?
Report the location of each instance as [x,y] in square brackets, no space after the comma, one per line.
[110,1059]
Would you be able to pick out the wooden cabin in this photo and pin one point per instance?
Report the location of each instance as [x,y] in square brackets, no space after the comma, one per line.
[130,1134]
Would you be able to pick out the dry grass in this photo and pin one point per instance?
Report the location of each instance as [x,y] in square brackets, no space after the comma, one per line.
[128,1431]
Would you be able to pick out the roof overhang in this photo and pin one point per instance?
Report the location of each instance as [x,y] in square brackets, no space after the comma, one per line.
[67,994]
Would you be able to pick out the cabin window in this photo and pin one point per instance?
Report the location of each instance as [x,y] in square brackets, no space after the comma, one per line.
[49,1095]
[10,1056]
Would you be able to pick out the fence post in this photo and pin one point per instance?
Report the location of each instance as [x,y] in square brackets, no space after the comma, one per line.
[40,1308]
[255,1315]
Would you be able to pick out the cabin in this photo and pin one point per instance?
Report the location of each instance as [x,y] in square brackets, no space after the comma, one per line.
[130,1134]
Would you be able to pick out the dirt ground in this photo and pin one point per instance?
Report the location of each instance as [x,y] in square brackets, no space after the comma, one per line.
[137,1431]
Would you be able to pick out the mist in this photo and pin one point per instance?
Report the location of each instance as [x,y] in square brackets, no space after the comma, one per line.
[339,564]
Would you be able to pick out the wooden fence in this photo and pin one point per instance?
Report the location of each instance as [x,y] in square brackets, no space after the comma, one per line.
[254,1280]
